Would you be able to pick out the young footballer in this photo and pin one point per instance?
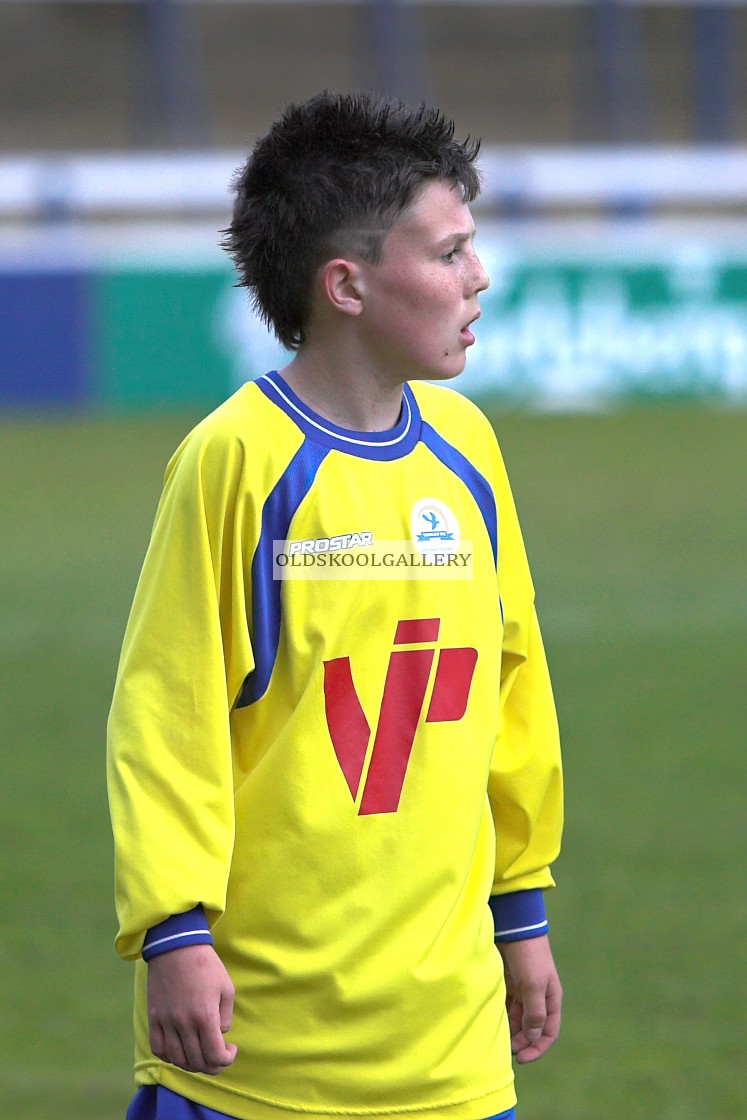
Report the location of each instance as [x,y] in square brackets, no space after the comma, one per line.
[333,753]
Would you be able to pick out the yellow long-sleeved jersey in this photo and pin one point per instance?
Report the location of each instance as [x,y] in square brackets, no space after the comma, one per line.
[338,754]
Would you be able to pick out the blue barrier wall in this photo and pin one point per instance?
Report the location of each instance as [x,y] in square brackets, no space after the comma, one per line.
[45,338]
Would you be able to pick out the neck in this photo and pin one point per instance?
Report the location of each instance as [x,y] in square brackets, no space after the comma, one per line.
[343,393]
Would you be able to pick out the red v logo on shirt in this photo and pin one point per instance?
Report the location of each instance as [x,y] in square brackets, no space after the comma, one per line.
[405,687]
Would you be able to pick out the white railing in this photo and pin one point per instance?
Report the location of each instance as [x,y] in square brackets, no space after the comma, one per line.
[44,185]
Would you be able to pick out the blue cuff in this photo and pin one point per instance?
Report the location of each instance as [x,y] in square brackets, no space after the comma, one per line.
[176,932]
[519,915]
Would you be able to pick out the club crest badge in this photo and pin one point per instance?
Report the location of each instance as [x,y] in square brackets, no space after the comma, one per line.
[433,527]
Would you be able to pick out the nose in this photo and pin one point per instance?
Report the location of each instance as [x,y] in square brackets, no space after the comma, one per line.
[480,278]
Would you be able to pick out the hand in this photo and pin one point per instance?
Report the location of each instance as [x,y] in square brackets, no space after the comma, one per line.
[533,997]
[190,1005]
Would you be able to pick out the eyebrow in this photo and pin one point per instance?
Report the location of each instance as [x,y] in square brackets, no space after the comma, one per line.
[457,238]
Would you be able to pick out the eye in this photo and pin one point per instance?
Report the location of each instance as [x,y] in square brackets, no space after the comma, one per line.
[449,257]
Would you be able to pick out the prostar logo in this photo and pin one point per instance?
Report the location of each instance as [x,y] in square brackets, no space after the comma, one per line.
[330,544]
[405,688]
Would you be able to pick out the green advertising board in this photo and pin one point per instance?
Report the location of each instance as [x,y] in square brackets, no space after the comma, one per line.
[565,324]
[156,343]
[568,326]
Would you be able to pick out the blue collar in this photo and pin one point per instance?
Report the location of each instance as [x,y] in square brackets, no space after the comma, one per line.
[392,444]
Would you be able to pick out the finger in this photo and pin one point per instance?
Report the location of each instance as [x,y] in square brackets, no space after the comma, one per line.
[535,1015]
[192,1041]
[216,1053]
[515,1013]
[531,1051]
[157,1041]
[174,1052]
[528,1021]
[525,1050]
[226,1010]
[528,1054]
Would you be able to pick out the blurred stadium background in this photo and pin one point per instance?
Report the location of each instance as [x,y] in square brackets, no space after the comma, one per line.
[612,359]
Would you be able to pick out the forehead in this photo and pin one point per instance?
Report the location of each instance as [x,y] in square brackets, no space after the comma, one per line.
[438,210]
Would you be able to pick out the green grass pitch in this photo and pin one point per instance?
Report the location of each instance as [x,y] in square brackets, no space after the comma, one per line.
[636,527]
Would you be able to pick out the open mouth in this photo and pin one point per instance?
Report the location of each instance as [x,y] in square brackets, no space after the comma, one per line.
[466,334]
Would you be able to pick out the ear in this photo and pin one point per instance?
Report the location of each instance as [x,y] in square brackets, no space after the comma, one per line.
[340,283]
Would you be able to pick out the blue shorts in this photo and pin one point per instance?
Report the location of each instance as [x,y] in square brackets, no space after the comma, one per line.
[153,1102]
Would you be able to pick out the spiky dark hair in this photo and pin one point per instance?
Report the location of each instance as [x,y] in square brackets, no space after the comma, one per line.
[332,175]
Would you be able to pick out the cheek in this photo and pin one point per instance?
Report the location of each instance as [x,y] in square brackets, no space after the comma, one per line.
[434,308]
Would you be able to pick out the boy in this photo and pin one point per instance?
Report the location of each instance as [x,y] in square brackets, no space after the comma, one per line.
[321,788]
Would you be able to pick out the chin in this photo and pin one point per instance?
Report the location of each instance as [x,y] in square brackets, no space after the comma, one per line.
[445,374]
[434,375]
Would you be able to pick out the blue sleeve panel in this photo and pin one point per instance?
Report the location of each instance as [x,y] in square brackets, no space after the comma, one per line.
[190,928]
[519,915]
